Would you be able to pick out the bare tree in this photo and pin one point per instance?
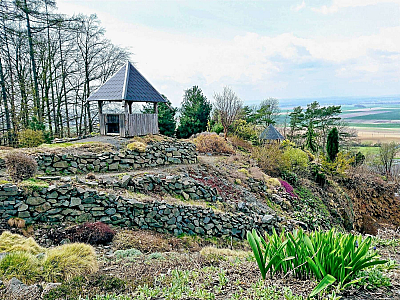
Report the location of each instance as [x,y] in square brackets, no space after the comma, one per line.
[228,106]
[387,154]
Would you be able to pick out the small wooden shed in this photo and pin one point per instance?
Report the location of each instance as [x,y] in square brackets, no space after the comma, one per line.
[271,134]
[127,85]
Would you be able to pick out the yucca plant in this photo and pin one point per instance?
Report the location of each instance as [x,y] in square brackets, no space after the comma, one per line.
[328,256]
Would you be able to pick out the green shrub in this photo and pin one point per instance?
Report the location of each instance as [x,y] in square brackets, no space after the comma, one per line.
[69,260]
[155,255]
[328,256]
[10,242]
[246,131]
[22,265]
[270,159]
[30,138]
[290,177]
[20,166]
[297,158]
[217,128]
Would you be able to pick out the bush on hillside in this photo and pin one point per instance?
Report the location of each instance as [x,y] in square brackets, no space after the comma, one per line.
[30,138]
[290,177]
[20,166]
[240,144]
[339,166]
[246,131]
[212,143]
[69,260]
[217,128]
[10,242]
[270,158]
[297,159]
[96,233]
[318,174]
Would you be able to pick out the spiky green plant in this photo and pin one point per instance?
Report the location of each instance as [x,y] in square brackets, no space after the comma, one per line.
[328,256]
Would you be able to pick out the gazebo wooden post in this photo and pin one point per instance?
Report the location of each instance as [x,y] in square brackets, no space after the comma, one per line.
[155,108]
[100,103]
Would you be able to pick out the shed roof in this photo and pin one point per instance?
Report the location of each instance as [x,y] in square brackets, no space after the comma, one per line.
[271,133]
[129,85]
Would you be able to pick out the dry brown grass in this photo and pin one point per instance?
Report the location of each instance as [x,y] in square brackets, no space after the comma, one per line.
[151,138]
[213,251]
[241,144]
[212,143]
[146,241]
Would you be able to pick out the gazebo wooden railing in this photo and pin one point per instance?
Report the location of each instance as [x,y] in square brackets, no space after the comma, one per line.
[127,125]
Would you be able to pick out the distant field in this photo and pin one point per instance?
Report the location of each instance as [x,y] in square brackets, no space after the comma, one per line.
[367,150]
[374,123]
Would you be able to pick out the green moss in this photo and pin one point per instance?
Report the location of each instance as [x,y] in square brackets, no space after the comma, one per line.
[34,184]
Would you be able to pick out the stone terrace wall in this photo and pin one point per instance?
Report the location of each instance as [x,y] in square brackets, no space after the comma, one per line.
[184,186]
[69,203]
[157,154]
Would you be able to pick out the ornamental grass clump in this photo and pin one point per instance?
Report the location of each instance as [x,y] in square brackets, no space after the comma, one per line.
[69,260]
[327,256]
[27,261]
[10,242]
[21,265]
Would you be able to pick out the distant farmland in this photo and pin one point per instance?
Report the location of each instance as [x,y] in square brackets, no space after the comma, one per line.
[374,123]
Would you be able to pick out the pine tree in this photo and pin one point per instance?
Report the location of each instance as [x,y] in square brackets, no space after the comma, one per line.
[310,139]
[195,113]
[332,144]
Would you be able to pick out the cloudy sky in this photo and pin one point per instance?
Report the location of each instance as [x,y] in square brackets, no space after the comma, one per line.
[271,48]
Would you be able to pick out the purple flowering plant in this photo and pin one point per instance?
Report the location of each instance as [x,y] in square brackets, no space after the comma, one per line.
[288,188]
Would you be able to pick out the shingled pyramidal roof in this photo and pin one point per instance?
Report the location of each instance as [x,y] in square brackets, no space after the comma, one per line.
[270,133]
[129,85]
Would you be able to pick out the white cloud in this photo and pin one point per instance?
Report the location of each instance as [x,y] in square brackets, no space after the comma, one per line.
[338,4]
[299,6]
[264,64]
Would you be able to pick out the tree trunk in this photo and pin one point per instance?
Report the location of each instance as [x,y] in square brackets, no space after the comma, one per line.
[37,110]
[4,97]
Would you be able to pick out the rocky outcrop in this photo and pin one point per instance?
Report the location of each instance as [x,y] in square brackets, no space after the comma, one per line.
[373,200]
[70,203]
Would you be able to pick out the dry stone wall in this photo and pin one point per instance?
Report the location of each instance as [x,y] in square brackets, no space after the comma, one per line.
[181,185]
[70,203]
[156,154]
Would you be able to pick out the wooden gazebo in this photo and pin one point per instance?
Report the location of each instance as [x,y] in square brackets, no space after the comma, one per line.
[271,134]
[127,85]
